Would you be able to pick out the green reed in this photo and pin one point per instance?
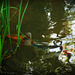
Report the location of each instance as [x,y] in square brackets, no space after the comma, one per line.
[5,24]
[8,22]
[20,19]
[18,45]
[2,25]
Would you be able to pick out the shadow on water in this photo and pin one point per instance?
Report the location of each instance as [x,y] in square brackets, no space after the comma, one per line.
[42,18]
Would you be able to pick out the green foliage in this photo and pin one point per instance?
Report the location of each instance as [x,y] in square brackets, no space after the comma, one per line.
[8,22]
[5,24]
[20,20]
[18,44]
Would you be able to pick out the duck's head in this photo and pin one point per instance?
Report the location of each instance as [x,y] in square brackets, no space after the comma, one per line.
[29,35]
[28,39]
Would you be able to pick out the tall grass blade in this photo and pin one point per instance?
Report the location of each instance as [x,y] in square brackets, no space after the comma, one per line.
[5,11]
[0,48]
[13,15]
[5,31]
[4,54]
[0,37]
[5,21]
[8,22]
[19,20]
[18,44]
[9,7]
[2,17]
[24,12]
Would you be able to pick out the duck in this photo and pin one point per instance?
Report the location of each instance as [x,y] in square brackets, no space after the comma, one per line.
[26,39]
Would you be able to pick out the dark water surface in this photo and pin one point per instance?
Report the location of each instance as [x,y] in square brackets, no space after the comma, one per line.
[47,20]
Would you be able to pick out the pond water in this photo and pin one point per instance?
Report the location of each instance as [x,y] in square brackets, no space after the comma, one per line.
[47,20]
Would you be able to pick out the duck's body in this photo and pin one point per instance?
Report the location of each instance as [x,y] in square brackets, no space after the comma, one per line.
[26,39]
[14,38]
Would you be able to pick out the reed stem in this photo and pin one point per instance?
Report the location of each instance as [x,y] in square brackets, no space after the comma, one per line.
[8,23]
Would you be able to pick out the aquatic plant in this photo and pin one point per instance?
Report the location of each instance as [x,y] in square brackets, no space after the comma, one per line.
[20,19]
[4,27]
[5,24]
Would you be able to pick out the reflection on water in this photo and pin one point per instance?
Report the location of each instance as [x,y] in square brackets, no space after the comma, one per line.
[47,21]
